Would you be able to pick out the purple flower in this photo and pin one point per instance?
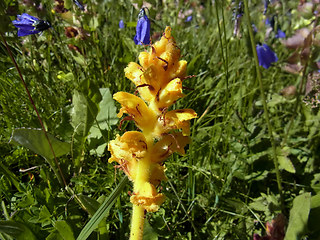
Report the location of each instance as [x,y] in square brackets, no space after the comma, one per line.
[265,55]
[280,34]
[271,23]
[121,24]
[188,19]
[142,29]
[27,25]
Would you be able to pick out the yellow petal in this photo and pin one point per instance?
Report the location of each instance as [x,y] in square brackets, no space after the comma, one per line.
[180,119]
[134,71]
[127,150]
[148,197]
[157,174]
[137,109]
[170,94]
[169,144]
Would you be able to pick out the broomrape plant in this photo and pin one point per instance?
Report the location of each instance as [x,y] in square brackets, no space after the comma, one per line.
[158,79]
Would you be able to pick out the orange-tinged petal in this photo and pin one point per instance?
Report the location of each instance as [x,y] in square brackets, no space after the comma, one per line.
[157,174]
[137,109]
[148,197]
[169,144]
[180,119]
[134,72]
[127,150]
[171,93]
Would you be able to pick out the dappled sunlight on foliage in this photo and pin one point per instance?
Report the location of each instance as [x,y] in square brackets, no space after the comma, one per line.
[250,156]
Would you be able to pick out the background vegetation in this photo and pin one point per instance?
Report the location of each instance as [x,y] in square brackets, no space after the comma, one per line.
[225,187]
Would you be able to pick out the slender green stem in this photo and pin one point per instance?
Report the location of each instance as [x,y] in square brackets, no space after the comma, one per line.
[264,102]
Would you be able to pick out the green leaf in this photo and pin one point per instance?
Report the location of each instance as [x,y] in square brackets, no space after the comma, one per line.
[107,115]
[16,230]
[284,162]
[85,108]
[315,201]
[102,211]
[79,112]
[148,231]
[35,140]
[91,205]
[54,236]
[68,4]
[298,216]
[66,77]
[10,175]
[64,230]
[44,216]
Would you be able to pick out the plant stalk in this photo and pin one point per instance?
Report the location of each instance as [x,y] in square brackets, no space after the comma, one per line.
[137,223]
[143,175]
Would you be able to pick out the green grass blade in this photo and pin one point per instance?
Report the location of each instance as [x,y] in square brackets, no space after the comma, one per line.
[102,211]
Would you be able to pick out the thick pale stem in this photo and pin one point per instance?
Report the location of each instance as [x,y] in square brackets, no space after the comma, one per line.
[137,223]
[142,177]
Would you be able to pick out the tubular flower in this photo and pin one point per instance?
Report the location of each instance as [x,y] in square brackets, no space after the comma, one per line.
[27,25]
[265,55]
[142,29]
[140,154]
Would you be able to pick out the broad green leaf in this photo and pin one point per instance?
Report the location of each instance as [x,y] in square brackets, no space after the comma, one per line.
[79,58]
[85,108]
[107,115]
[298,216]
[64,230]
[102,211]
[284,162]
[35,140]
[79,112]
[16,230]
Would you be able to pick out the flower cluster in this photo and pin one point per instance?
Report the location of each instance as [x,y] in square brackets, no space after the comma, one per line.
[140,154]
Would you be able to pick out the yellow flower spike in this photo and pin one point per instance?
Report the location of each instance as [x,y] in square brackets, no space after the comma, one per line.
[140,155]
